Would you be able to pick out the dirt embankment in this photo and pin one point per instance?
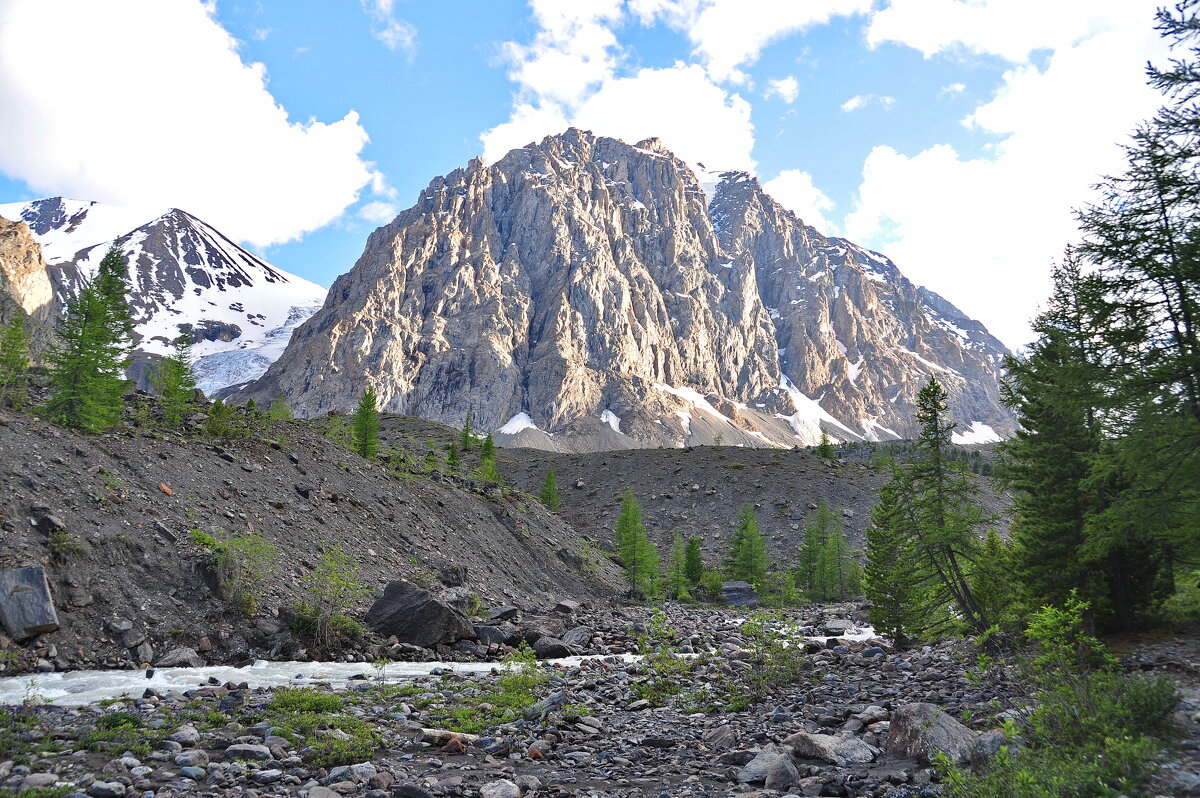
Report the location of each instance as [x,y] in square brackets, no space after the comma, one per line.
[126,571]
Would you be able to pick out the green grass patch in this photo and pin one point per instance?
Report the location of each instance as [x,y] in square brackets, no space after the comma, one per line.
[303,699]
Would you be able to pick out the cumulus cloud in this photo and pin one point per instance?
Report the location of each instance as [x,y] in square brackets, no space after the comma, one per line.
[729,34]
[568,76]
[97,109]
[395,33]
[955,222]
[951,89]
[794,190]
[698,120]
[863,100]
[786,89]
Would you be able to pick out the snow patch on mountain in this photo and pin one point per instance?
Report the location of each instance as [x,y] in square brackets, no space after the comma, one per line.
[978,433]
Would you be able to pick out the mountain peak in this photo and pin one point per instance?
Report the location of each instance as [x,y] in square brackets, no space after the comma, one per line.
[583,293]
[184,275]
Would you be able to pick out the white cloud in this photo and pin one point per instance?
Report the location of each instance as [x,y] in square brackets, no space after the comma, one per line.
[147,102]
[863,100]
[395,33]
[728,34]
[952,89]
[378,211]
[794,190]
[573,51]
[1011,29]
[786,89]
[695,118]
[568,76]
[982,231]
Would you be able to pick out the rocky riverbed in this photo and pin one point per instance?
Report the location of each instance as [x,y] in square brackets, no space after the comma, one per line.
[818,724]
[741,715]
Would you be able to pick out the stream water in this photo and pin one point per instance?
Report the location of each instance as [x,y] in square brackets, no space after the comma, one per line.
[77,688]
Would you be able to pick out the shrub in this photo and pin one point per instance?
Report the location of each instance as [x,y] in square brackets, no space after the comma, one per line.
[1092,733]
[303,699]
[331,590]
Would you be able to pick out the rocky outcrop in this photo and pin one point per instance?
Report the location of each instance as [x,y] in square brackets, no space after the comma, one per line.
[24,281]
[583,293]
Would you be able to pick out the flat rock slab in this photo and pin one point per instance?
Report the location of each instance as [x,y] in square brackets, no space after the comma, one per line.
[26,608]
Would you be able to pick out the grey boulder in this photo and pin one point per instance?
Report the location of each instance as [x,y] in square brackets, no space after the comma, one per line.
[921,731]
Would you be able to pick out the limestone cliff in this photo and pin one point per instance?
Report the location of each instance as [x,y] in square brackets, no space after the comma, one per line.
[582,293]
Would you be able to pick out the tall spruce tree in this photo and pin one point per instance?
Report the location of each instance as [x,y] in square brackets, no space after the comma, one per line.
[366,424]
[1054,391]
[747,558]
[87,380]
[889,580]
[14,362]
[175,380]
[466,438]
[932,521]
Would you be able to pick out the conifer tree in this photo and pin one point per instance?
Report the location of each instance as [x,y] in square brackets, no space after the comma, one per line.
[677,579]
[1054,392]
[366,424]
[175,381]
[549,493]
[466,438]
[825,447]
[817,529]
[639,556]
[487,471]
[889,579]
[88,362]
[489,447]
[693,562]
[748,551]
[14,362]
[279,410]
[453,459]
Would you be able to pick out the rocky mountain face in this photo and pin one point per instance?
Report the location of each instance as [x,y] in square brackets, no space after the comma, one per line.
[184,275]
[585,294]
[24,280]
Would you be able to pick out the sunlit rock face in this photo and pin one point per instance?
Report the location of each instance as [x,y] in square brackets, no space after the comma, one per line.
[584,294]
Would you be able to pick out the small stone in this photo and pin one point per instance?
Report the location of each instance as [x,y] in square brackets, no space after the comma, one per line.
[193,758]
[268,776]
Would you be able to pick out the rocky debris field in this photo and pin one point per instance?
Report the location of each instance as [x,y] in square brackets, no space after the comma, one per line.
[830,717]
[700,492]
[110,520]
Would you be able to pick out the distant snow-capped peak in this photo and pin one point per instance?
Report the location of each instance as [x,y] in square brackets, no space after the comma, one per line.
[183,274]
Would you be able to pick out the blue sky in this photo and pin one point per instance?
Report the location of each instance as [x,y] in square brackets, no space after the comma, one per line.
[953,135]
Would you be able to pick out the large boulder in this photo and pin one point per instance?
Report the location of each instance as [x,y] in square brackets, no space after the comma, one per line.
[839,751]
[763,764]
[26,608]
[922,730]
[739,594]
[180,657]
[415,616]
